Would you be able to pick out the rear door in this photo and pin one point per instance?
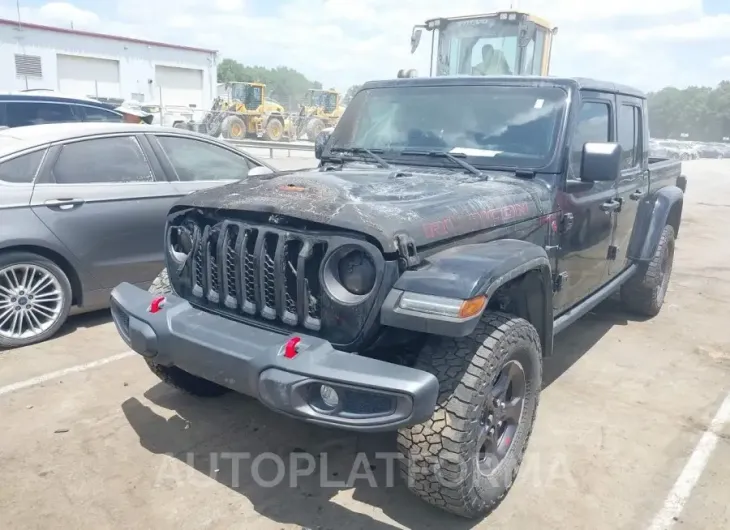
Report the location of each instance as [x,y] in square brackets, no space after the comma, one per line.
[633,182]
[196,164]
[90,113]
[103,200]
[22,113]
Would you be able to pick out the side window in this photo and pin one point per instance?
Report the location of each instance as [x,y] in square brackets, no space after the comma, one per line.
[629,130]
[98,114]
[593,125]
[196,160]
[21,169]
[118,159]
[24,113]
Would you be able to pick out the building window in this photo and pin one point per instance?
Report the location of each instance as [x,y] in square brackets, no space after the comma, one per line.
[138,97]
[28,66]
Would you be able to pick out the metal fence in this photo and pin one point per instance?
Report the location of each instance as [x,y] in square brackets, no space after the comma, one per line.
[272,146]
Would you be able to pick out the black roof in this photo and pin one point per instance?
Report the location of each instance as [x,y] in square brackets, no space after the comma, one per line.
[52,97]
[575,83]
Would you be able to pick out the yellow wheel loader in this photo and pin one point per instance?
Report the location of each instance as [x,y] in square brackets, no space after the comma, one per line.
[321,109]
[242,110]
[501,43]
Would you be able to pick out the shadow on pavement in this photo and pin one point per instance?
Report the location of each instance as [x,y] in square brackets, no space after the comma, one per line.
[84,321]
[236,441]
[579,338]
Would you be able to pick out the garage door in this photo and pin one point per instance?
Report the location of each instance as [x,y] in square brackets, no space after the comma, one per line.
[180,86]
[88,76]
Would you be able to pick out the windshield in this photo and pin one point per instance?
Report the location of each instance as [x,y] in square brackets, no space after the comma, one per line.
[486,46]
[326,100]
[492,125]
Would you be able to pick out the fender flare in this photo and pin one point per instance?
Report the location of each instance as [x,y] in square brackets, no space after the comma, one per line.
[661,209]
[468,271]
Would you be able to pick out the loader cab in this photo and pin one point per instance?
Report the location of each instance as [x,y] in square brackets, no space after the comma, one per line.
[503,43]
[250,94]
[328,100]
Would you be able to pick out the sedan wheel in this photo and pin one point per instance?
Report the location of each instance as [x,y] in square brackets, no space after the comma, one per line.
[34,301]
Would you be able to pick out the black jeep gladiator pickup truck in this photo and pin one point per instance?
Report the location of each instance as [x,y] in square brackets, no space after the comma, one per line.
[414,281]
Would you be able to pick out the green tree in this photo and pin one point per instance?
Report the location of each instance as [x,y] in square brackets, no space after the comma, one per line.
[701,113]
[350,93]
[285,85]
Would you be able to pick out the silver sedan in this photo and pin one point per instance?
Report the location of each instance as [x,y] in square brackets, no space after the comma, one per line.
[83,208]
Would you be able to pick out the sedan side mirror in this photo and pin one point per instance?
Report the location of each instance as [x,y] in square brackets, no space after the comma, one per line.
[601,162]
[321,140]
[259,171]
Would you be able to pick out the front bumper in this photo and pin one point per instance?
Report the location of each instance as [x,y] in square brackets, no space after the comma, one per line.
[374,395]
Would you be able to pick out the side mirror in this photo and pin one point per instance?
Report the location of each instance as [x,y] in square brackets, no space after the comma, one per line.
[601,162]
[416,38]
[259,171]
[321,140]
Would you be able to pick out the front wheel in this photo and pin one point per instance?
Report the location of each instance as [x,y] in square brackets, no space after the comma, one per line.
[466,457]
[314,127]
[35,299]
[274,130]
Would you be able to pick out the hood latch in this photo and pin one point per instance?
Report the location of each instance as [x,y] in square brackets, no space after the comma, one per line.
[407,252]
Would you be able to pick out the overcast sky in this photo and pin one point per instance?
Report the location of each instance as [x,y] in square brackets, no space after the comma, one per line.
[646,43]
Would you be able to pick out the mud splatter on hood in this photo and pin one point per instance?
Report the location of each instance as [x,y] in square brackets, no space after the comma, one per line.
[428,204]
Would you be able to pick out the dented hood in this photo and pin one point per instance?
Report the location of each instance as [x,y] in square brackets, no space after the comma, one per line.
[428,204]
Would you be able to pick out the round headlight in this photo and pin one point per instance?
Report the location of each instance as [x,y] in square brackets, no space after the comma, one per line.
[357,272]
[181,242]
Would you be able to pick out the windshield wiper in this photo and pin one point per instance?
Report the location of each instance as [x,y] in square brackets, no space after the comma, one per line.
[455,158]
[372,153]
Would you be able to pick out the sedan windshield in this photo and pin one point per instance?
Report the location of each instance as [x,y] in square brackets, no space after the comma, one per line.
[491,125]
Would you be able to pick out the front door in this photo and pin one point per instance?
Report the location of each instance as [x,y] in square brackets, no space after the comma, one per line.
[633,183]
[100,197]
[588,224]
[198,164]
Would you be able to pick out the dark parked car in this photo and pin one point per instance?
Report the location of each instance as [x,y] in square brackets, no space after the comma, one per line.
[19,109]
[82,208]
[415,281]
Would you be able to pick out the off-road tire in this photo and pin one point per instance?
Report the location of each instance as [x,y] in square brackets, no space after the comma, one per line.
[16,258]
[440,455]
[644,293]
[172,375]
[271,134]
[233,128]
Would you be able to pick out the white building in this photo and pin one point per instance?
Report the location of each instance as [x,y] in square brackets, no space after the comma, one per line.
[82,63]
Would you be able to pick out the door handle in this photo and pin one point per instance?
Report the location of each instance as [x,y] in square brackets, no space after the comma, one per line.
[610,206]
[636,195]
[64,204]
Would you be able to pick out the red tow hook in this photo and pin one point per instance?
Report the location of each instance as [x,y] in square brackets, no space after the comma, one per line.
[291,349]
[157,304]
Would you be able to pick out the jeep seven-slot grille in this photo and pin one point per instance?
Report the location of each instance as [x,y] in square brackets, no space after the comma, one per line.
[260,272]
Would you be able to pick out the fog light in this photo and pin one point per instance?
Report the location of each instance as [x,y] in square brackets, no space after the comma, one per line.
[329,396]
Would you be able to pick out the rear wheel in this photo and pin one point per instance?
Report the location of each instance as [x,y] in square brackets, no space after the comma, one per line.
[466,457]
[172,375]
[274,130]
[645,292]
[35,299]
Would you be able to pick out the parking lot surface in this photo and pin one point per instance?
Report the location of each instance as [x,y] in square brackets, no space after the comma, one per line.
[92,440]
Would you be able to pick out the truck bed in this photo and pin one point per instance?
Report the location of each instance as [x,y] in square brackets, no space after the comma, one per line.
[665,172]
